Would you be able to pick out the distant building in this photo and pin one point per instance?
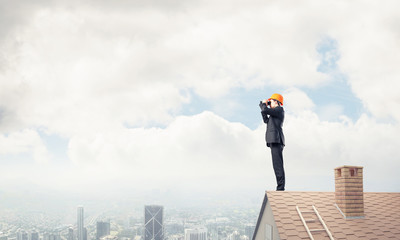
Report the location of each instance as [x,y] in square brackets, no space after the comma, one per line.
[45,236]
[249,231]
[102,229]
[80,223]
[70,235]
[51,236]
[176,237]
[234,236]
[34,236]
[199,233]
[22,235]
[3,237]
[153,222]
[109,237]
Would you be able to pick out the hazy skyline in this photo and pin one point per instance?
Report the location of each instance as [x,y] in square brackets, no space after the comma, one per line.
[111,96]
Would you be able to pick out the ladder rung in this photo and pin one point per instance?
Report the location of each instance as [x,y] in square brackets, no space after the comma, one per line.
[317,230]
[310,220]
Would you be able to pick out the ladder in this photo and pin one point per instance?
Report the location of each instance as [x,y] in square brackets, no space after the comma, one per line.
[310,220]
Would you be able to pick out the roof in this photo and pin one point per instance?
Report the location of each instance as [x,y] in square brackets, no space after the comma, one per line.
[381,220]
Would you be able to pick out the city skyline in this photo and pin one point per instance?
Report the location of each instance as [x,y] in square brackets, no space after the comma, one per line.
[223,224]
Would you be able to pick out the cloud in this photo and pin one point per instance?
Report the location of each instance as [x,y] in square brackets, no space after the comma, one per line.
[92,64]
[210,154]
[197,151]
[369,50]
[297,101]
[325,145]
[331,112]
[113,78]
[102,60]
[24,142]
[192,148]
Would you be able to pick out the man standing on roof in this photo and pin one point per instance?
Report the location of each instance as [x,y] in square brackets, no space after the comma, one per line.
[273,115]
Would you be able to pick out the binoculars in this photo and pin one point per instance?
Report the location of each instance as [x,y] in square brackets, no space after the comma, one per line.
[266,102]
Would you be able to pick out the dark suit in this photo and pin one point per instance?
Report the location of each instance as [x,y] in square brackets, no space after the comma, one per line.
[275,139]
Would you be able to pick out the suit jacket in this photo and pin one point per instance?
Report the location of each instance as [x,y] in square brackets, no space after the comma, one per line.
[274,117]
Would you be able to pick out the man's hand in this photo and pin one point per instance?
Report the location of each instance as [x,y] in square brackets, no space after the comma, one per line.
[262,106]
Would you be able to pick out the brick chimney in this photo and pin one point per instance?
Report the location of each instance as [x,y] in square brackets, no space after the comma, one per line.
[349,193]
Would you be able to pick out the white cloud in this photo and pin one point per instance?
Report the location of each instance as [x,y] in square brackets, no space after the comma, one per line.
[197,151]
[297,101]
[24,142]
[330,112]
[369,48]
[75,61]
[88,72]
[211,154]
[315,147]
[190,148]
[94,68]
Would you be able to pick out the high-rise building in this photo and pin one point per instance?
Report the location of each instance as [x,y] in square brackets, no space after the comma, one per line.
[153,222]
[80,226]
[199,233]
[103,229]
[34,236]
[234,236]
[22,235]
[249,231]
[70,234]
[51,236]
[55,236]
[3,236]
[46,236]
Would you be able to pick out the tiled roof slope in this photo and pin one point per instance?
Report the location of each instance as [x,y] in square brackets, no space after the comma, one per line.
[381,220]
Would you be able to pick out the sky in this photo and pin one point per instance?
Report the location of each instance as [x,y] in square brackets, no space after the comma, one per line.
[117,97]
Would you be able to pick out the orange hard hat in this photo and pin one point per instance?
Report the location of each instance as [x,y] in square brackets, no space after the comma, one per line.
[278,97]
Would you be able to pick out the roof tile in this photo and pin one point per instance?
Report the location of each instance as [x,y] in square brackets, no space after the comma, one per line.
[293,238]
[291,232]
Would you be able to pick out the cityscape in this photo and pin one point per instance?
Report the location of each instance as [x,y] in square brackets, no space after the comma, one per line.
[146,222]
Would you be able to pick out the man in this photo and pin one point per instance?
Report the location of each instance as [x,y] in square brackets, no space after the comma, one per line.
[273,115]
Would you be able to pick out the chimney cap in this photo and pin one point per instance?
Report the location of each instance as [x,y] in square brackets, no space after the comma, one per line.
[348,166]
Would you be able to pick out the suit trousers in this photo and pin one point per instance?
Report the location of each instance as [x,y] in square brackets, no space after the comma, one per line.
[277,161]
